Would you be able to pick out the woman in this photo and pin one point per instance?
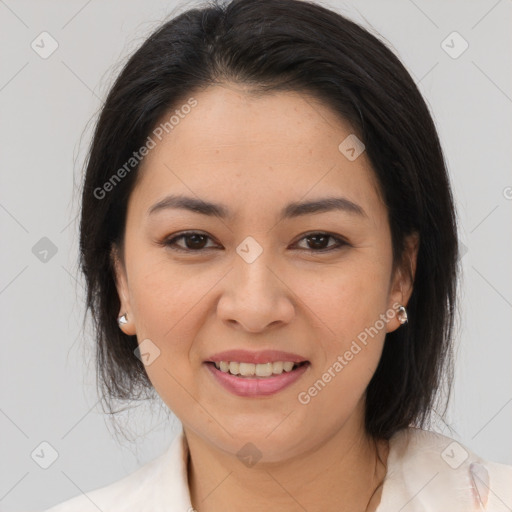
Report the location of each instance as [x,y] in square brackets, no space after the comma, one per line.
[269,241]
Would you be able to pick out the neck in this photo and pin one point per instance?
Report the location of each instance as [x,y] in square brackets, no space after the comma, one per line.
[345,472]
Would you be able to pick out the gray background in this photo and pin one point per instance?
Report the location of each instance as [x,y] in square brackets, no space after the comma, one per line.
[47,391]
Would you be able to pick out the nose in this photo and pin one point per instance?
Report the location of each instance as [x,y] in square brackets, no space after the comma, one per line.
[255,297]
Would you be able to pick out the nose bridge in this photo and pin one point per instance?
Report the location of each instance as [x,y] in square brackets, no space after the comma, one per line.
[252,274]
[255,297]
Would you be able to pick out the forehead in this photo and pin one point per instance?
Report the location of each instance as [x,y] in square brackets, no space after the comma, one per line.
[238,148]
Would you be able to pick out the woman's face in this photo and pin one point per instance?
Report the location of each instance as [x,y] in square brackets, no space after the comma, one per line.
[265,275]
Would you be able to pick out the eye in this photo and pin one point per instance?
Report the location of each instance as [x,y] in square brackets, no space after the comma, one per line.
[317,242]
[197,242]
[194,242]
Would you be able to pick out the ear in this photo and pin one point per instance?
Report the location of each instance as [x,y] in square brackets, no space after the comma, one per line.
[121,281]
[403,280]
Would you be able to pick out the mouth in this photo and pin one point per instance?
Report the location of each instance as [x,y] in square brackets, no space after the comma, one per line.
[256,380]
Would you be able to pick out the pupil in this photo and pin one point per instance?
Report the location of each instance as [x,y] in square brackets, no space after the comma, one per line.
[197,241]
[322,238]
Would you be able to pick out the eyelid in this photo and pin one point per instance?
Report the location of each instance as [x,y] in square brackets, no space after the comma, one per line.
[339,241]
[171,242]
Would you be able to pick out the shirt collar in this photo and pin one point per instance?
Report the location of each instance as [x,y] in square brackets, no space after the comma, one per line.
[414,460]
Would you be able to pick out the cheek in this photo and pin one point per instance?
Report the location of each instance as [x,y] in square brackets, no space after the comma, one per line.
[349,302]
[165,298]
[165,302]
[347,354]
[169,304]
[348,298]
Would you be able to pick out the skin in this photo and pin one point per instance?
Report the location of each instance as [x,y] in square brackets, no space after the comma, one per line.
[255,154]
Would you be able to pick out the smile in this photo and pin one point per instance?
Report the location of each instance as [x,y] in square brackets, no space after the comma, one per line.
[253,380]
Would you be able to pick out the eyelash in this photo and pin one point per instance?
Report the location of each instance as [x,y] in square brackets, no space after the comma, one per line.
[171,242]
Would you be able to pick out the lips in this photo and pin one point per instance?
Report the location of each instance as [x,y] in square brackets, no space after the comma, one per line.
[264,372]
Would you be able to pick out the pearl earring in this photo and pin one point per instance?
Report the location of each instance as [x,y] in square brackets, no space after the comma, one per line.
[402,315]
[122,320]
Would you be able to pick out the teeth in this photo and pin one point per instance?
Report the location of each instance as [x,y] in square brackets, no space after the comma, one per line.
[287,366]
[264,370]
[278,367]
[251,369]
[247,369]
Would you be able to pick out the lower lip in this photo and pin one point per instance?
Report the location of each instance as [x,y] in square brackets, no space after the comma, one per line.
[257,386]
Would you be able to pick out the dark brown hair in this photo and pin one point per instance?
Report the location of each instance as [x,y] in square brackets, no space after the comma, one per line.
[286,45]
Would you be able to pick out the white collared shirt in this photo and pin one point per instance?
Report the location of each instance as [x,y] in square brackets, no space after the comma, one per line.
[426,472]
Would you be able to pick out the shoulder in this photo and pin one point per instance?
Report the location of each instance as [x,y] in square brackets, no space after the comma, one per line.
[429,471]
[159,485]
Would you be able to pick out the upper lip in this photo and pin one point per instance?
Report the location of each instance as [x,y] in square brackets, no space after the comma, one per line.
[262,356]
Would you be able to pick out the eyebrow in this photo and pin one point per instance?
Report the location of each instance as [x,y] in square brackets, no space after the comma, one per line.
[291,210]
